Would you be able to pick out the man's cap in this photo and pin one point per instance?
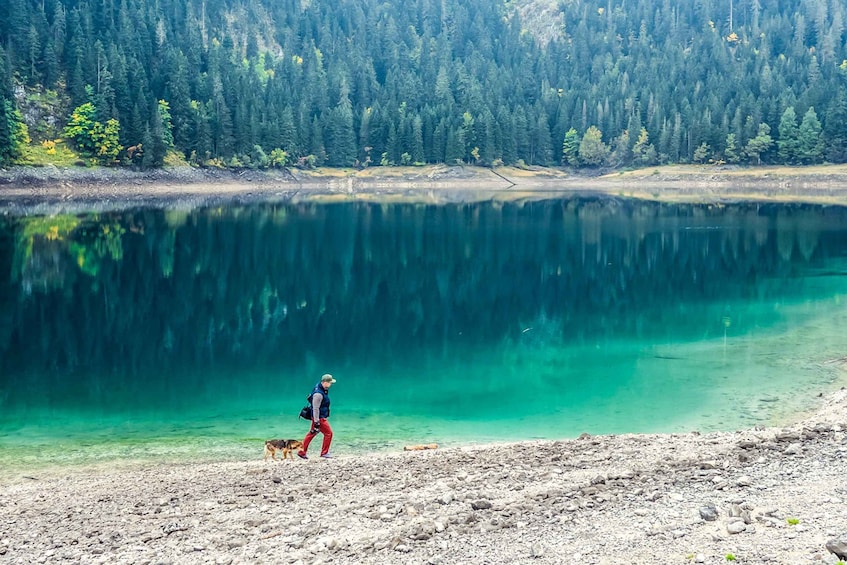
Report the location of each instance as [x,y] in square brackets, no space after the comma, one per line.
[327,378]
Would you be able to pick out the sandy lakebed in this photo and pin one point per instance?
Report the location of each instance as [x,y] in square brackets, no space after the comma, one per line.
[764,495]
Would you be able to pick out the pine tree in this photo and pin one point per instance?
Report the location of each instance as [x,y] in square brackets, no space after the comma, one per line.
[542,142]
[158,148]
[788,143]
[643,152]
[179,99]
[835,132]
[570,148]
[317,149]
[810,146]
[13,131]
[147,157]
[759,144]
[730,152]
[341,139]
[417,140]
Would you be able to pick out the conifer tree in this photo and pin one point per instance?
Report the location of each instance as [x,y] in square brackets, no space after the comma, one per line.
[643,152]
[835,132]
[810,145]
[788,143]
[570,148]
[759,144]
[13,132]
[731,149]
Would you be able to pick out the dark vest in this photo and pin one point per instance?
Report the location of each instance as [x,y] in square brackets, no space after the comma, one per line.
[324,410]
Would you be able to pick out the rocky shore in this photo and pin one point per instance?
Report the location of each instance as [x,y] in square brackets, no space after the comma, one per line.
[49,189]
[769,495]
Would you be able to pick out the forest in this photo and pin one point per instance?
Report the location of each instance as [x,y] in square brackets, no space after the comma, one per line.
[342,83]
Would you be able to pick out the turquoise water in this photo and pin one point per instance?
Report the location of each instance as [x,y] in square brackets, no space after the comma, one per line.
[150,334]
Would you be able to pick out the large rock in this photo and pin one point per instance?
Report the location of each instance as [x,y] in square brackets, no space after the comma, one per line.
[709,512]
[736,527]
[838,546]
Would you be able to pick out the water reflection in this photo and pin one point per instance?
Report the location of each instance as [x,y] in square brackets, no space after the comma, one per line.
[159,310]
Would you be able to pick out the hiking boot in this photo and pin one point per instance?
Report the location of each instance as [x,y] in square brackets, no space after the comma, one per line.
[302,455]
[326,456]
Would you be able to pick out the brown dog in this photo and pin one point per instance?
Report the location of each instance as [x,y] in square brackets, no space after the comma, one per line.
[286,445]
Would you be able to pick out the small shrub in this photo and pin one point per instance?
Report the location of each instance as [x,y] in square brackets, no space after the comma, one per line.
[792,521]
[730,557]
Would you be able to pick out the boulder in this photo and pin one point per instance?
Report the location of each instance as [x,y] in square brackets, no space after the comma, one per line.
[838,546]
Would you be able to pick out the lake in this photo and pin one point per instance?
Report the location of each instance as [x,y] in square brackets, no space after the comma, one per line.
[183,334]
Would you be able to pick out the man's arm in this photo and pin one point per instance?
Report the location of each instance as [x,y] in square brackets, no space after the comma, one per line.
[317,398]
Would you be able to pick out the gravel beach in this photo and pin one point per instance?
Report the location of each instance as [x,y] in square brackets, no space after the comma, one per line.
[769,495]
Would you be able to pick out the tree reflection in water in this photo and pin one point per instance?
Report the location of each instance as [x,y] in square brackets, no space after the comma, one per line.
[159,308]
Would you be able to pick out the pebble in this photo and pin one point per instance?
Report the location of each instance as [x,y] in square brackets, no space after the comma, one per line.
[736,527]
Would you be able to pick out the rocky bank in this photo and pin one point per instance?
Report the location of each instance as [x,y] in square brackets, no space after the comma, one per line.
[50,189]
[769,495]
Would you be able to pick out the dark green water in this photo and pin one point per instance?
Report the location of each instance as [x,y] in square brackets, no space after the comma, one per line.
[155,333]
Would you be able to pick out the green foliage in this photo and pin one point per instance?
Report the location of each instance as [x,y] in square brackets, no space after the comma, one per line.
[759,144]
[810,145]
[730,152]
[789,133]
[433,80]
[592,151]
[278,158]
[702,153]
[42,107]
[14,135]
[792,521]
[53,152]
[622,153]
[80,128]
[164,110]
[730,557]
[258,158]
[643,152]
[570,148]
[93,138]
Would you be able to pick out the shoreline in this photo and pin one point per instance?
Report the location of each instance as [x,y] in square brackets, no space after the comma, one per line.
[47,189]
[764,495]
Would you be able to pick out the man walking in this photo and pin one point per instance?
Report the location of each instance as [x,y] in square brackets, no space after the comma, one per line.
[320,414]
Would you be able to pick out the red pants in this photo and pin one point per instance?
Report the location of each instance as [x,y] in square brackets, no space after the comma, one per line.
[326,431]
